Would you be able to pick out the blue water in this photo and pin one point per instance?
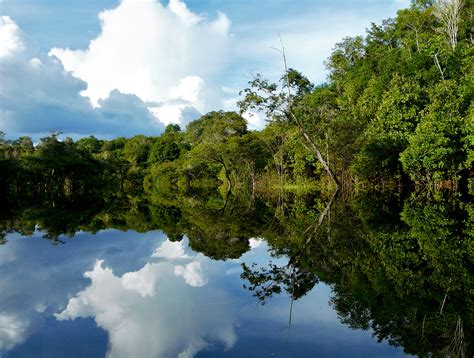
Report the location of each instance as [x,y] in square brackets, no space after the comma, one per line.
[127,294]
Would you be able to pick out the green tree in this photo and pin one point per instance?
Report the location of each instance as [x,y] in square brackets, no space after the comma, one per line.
[435,150]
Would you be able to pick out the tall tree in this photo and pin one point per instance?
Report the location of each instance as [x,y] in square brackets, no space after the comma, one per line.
[282,102]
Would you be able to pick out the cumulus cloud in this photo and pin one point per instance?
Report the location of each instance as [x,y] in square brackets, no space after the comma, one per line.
[32,289]
[161,54]
[192,273]
[37,95]
[171,250]
[14,41]
[147,285]
[171,319]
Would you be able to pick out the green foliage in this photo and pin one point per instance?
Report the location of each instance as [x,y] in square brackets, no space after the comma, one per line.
[387,136]
[435,150]
[90,145]
[469,141]
[136,150]
[215,127]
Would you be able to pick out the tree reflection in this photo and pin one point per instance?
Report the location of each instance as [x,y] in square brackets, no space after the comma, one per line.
[401,267]
[408,277]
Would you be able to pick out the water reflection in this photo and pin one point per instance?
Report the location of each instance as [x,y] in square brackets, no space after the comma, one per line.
[400,268]
[38,278]
[161,310]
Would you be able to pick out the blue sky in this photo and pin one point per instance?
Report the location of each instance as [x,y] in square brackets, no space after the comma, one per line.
[125,67]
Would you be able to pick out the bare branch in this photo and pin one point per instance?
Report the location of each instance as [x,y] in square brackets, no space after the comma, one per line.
[448,12]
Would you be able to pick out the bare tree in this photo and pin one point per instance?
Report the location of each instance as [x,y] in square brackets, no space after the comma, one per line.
[264,96]
[448,12]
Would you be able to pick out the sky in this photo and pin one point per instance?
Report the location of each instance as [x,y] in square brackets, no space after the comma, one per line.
[124,67]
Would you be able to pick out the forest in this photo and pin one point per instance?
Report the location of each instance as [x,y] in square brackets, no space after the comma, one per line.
[397,109]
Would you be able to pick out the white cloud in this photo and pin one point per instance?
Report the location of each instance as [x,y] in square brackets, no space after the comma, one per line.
[192,274]
[175,319]
[175,112]
[12,331]
[171,250]
[142,281]
[255,121]
[256,243]
[161,54]
[37,96]
[13,41]
[191,89]
[30,290]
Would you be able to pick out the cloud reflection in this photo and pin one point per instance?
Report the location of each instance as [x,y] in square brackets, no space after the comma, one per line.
[38,279]
[161,310]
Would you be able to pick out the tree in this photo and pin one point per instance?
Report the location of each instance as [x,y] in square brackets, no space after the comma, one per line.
[136,150]
[448,13]
[172,128]
[90,145]
[279,103]
[387,136]
[163,150]
[275,135]
[248,156]
[435,150]
[169,146]
[209,137]
[215,127]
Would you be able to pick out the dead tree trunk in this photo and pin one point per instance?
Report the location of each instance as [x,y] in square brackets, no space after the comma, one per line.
[293,118]
[448,12]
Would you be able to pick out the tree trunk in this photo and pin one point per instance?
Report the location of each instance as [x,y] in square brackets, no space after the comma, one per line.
[300,126]
[316,151]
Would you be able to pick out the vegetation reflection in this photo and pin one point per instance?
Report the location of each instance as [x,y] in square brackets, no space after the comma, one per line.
[399,266]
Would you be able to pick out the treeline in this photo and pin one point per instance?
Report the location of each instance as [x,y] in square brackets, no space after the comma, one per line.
[215,149]
[398,107]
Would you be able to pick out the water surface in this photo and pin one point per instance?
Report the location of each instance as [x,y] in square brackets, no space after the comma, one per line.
[258,281]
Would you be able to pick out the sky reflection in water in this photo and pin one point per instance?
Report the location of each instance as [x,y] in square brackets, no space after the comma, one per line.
[155,298]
